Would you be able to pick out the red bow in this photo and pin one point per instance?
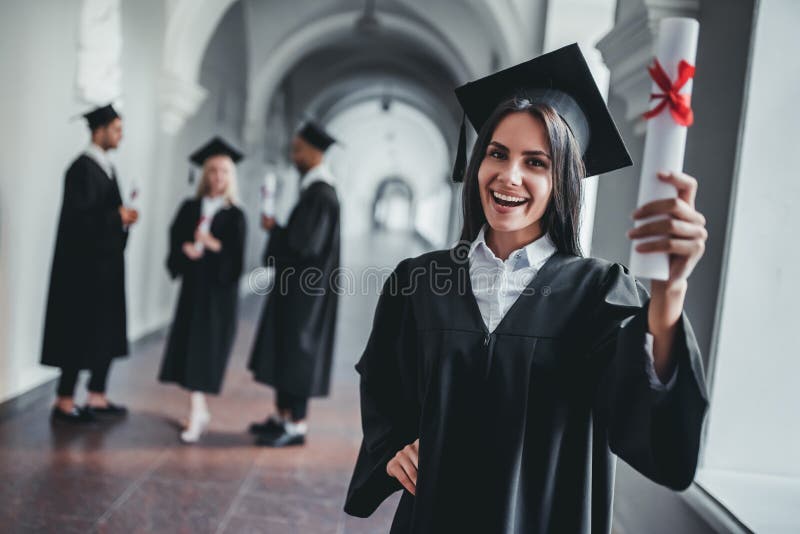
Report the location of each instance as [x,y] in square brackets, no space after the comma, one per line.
[678,103]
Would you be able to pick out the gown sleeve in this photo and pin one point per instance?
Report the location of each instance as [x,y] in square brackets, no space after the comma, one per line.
[230,258]
[389,410]
[656,431]
[177,260]
[100,226]
[307,233]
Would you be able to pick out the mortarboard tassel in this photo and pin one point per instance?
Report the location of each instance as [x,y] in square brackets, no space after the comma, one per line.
[459,167]
[191,176]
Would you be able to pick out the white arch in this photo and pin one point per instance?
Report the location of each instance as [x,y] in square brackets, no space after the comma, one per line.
[190,26]
[503,15]
[320,33]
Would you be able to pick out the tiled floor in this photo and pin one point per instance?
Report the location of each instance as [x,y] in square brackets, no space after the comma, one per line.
[135,476]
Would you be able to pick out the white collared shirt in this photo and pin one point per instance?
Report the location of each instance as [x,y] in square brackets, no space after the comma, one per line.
[208,208]
[320,173]
[497,284]
[101,158]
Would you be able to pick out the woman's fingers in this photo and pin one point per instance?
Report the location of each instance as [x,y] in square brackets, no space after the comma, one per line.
[675,207]
[681,247]
[397,472]
[413,453]
[685,184]
[400,467]
[404,466]
[669,227]
[409,467]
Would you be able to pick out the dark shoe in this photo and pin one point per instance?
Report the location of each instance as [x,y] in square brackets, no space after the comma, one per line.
[269,427]
[110,410]
[77,416]
[284,439]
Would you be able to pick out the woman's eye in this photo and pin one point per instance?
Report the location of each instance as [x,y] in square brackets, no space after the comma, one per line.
[533,162]
[496,154]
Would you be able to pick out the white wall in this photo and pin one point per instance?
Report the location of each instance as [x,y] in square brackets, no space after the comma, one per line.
[754,423]
[37,143]
[139,161]
[750,462]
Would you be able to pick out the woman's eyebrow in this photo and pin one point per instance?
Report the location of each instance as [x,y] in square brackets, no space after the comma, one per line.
[526,153]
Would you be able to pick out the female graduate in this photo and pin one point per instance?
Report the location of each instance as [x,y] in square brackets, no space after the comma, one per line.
[206,250]
[502,377]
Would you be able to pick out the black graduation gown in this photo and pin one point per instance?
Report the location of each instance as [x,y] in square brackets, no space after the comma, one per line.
[204,327]
[293,350]
[518,428]
[85,323]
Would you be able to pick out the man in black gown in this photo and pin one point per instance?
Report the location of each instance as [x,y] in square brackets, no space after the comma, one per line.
[293,350]
[85,320]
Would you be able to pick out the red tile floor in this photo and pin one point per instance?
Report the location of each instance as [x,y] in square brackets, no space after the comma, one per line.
[135,476]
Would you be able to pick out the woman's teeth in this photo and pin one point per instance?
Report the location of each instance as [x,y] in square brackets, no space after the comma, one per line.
[508,200]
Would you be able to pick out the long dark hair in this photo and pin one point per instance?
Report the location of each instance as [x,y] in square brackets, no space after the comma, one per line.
[561,218]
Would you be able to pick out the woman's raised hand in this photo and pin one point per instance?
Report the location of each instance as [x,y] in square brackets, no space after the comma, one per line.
[404,466]
[682,233]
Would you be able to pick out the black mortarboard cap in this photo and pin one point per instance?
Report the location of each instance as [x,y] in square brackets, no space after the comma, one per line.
[99,117]
[217,146]
[315,135]
[563,80]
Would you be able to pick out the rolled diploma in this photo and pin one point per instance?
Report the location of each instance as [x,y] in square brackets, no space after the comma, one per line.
[665,140]
[133,198]
[204,225]
[268,194]
[133,201]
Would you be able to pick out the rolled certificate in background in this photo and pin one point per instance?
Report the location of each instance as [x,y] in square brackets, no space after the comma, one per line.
[133,198]
[203,225]
[667,123]
[268,194]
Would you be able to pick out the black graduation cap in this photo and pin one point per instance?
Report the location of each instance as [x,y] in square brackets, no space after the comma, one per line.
[99,117]
[217,146]
[563,80]
[316,136]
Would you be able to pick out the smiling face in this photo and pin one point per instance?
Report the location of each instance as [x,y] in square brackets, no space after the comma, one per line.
[515,178]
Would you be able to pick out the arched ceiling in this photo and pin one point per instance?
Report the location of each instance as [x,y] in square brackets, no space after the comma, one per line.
[464,38]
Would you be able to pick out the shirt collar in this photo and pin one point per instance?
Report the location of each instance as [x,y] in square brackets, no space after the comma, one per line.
[320,173]
[99,155]
[213,202]
[535,253]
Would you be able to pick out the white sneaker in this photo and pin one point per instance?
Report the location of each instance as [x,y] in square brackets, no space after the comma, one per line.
[197,425]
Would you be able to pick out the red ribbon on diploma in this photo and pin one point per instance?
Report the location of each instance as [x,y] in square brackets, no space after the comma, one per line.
[678,103]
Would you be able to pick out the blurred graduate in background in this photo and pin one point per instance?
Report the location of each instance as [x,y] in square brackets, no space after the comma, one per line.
[85,322]
[206,251]
[293,350]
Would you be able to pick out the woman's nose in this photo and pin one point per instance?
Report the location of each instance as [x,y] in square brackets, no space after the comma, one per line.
[512,174]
